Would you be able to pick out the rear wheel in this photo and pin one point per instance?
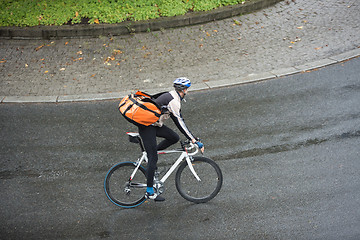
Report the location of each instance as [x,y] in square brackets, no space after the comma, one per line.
[199,191]
[121,190]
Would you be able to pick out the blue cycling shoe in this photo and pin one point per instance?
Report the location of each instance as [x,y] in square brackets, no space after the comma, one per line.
[156,197]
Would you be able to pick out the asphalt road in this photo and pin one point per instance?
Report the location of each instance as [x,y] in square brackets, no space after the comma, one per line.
[288,148]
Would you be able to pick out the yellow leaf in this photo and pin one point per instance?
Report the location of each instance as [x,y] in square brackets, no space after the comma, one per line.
[301,27]
[117,52]
[39,47]
[96,21]
[46,71]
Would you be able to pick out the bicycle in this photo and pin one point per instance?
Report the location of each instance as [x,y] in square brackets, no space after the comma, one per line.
[198,179]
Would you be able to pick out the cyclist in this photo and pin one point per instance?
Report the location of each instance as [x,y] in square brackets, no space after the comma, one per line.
[170,103]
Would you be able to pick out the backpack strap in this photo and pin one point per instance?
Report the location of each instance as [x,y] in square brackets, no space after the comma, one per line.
[157,95]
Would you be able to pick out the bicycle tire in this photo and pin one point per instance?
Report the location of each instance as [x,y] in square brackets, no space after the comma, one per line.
[118,188]
[199,191]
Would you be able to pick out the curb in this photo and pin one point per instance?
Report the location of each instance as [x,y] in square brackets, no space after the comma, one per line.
[78,31]
[251,78]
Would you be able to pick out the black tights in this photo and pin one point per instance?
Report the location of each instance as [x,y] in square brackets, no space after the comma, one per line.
[148,135]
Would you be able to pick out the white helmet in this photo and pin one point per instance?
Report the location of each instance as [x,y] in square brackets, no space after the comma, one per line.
[182,83]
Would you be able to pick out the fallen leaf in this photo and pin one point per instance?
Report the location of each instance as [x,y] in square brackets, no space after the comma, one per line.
[215,30]
[318,48]
[79,52]
[3,61]
[62,69]
[208,34]
[39,47]
[117,51]
[301,27]
[66,43]
[46,71]
[93,75]
[26,65]
[236,22]
[96,21]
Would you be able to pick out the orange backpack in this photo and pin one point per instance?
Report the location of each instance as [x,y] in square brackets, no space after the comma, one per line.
[140,109]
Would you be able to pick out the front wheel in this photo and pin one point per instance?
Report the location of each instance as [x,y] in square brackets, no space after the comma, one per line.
[199,191]
[123,191]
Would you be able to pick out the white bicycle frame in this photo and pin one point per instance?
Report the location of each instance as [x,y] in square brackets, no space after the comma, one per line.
[184,154]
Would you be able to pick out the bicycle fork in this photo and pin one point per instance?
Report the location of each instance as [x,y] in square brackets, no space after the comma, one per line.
[191,167]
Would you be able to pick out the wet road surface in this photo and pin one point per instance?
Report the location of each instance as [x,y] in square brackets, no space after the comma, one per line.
[288,149]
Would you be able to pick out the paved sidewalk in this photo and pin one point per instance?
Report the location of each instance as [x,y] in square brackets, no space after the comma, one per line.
[286,38]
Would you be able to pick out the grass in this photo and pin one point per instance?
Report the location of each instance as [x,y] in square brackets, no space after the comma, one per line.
[55,12]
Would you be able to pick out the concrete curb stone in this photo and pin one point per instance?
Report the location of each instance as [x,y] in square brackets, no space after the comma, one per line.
[316,64]
[284,71]
[30,99]
[80,31]
[346,55]
[90,97]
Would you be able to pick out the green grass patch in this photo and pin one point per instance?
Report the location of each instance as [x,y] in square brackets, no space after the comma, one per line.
[44,12]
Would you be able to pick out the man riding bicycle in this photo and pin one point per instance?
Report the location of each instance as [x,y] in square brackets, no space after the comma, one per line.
[170,104]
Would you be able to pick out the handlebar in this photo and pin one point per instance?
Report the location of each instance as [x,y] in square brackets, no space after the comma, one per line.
[188,146]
